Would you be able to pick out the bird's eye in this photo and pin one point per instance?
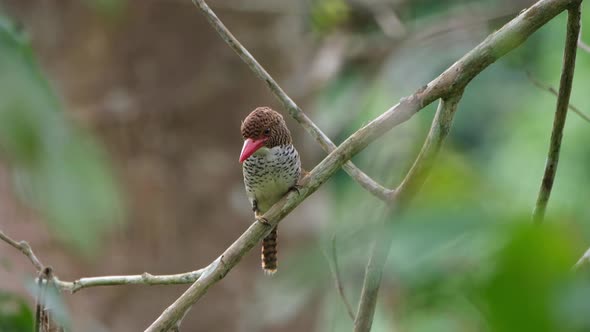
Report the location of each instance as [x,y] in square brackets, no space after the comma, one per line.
[267,131]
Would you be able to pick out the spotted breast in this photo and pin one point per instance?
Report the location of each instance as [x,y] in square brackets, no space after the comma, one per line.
[271,167]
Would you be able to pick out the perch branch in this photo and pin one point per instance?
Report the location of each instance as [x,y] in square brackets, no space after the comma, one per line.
[454,79]
[294,110]
[552,90]
[332,258]
[412,182]
[565,89]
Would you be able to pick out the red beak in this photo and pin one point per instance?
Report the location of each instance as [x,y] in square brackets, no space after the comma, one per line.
[251,146]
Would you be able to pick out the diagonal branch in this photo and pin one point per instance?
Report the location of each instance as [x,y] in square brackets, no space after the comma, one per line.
[25,248]
[439,130]
[451,81]
[565,89]
[552,90]
[295,111]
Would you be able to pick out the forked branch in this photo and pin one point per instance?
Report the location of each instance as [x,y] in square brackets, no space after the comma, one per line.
[76,285]
[295,111]
[412,182]
[446,86]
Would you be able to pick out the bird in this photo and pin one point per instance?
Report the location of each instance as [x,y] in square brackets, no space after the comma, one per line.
[271,168]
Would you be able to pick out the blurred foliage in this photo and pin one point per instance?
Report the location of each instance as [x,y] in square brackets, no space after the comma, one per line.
[57,167]
[326,15]
[15,315]
[465,256]
[108,8]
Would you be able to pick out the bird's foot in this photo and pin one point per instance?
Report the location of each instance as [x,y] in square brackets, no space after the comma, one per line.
[296,188]
[260,218]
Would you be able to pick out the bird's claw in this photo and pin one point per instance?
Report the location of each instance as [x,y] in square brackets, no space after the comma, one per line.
[261,219]
[296,188]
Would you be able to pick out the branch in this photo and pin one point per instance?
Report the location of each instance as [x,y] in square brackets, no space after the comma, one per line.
[585,259]
[439,130]
[333,262]
[139,279]
[295,111]
[25,248]
[552,90]
[76,285]
[565,89]
[449,82]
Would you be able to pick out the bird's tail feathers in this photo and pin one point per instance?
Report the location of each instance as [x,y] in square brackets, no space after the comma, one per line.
[269,253]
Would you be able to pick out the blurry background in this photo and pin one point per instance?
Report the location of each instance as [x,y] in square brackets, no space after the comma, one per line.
[119,140]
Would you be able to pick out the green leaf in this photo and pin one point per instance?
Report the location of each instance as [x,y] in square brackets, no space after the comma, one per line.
[15,315]
[58,168]
[532,271]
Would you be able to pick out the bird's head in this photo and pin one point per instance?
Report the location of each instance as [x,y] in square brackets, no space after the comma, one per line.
[263,127]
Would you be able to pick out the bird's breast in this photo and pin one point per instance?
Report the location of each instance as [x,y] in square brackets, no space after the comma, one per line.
[270,173]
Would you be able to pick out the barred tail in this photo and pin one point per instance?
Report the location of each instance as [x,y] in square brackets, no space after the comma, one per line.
[269,252]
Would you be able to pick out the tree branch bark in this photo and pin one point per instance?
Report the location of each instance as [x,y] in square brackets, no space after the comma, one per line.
[565,89]
[451,81]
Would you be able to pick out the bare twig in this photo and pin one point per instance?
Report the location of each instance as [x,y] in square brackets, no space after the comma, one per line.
[439,130]
[139,279]
[25,248]
[332,258]
[76,285]
[295,111]
[552,90]
[565,89]
[451,81]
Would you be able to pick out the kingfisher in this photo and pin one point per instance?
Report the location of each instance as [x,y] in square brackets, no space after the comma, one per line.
[271,168]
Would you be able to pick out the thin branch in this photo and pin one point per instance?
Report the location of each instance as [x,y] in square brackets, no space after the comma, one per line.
[334,268]
[413,181]
[25,248]
[552,90]
[295,111]
[452,80]
[76,285]
[565,89]
[585,259]
[139,279]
